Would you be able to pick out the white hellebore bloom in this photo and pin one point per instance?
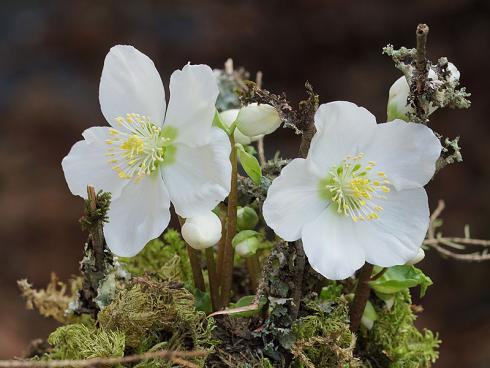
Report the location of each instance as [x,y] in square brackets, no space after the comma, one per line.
[257,119]
[418,258]
[202,231]
[228,117]
[400,90]
[152,155]
[358,196]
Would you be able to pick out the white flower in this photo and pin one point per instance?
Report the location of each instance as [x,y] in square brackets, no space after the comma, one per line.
[358,196]
[254,119]
[202,231]
[418,258]
[151,155]
[399,91]
[228,117]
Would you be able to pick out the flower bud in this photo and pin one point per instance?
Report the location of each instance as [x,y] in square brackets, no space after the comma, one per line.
[246,242]
[247,218]
[228,117]
[419,257]
[255,119]
[203,231]
[400,90]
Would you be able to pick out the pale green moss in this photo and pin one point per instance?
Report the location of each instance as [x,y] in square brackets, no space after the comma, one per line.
[82,341]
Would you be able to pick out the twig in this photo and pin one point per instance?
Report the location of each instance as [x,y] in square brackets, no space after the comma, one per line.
[183,362]
[420,75]
[439,242]
[93,362]
[97,235]
[361,296]
[299,265]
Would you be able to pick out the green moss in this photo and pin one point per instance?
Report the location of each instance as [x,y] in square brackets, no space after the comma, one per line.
[165,259]
[324,338]
[394,339]
[84,341]
[158,315]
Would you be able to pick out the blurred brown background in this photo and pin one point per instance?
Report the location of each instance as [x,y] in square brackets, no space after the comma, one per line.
[52,54]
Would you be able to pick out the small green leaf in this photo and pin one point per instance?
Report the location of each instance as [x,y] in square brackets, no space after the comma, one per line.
[249,164]
[245,302]
[398,278]
[369,316]
[203,301]
[219,123]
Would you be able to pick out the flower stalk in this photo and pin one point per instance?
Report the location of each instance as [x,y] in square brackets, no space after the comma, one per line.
[361,296]
[228,252]
[213,279]
[253,266]
[195,261]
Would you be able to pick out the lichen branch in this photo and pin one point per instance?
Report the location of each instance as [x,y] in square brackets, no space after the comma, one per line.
[94,362]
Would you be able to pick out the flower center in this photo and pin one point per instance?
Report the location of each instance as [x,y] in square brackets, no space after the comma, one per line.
[140,148]
[354,189]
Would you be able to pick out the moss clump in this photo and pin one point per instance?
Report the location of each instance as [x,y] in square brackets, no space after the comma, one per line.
[158,315]
[165,259]
[85,341]
[324,338]
[394,340]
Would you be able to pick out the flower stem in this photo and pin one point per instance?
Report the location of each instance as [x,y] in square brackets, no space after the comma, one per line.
[227,266]
[253,266]
[213,280]
[195,261]
[361,296]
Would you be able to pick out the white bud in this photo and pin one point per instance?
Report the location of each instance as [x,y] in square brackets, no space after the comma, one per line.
[255,119]
[419,257]
[228,117]
[399,91]
[203,231]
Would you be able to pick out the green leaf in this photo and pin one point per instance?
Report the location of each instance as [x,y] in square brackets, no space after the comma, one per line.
[203,301]
[245,302]
[398,278]
[219,123]
[250,164]
[369,316]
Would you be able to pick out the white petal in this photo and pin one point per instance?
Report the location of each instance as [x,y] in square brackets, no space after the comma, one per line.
[200,176]
[191,109]
[406,152]
[342,128]
[293,199]
[396,237]
[87,164]
[139,215]
[333,245]
[130,83]
[202,231]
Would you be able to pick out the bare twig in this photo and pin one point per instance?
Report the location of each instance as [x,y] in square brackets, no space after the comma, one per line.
[96,234]
[420,75]
[440,243]
[93,362]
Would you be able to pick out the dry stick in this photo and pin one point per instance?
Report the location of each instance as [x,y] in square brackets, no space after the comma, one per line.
[361,297]
[213,280]
[93,362]
[298,278]
[227,274]
[195,260]
[421,71]
[97,233]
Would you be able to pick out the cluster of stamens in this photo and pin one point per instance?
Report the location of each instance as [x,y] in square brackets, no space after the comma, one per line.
[356,190]
[137,149]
